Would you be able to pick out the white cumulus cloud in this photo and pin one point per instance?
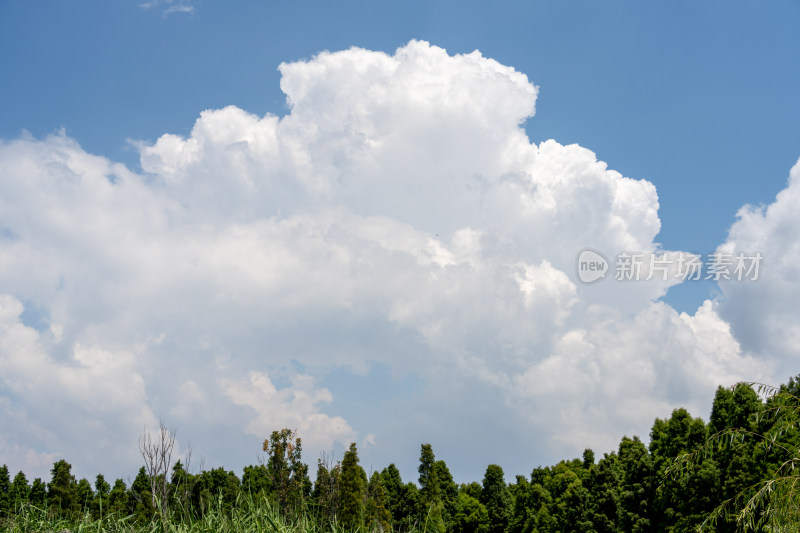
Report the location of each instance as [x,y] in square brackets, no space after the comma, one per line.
[398,215]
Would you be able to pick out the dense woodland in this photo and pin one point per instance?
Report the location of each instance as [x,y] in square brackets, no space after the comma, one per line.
[637,488]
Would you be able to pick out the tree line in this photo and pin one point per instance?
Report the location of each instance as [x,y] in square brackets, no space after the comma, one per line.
[636,488]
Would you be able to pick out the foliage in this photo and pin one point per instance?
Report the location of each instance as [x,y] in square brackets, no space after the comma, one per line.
[431,510]
[763,441]
[738,472]
[286,471]
[351,503]
[496,498]
[378,518]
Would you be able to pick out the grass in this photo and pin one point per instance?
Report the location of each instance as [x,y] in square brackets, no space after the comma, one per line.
[248,515]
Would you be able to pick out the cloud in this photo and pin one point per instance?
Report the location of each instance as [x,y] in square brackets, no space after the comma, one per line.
[294,407]
[763,313]
[397,215]
[170,6]
[92,395]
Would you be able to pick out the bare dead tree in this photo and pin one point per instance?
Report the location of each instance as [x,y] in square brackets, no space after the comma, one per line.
[156,450]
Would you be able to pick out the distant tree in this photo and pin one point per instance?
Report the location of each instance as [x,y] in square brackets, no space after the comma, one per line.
[671,509]
[588,458]
[117,498]
[287,472]
[215,485]
[156,451]
[327,489]
[255,480]
[402,499]
[470,515]
[140,502]
[100,501]
[432,508]
[20,491]
[765,436]
[604,481]
[523,508]
[38,494]
[83,497]
[5,492]
[351,506]
[496,498]
[571,499]
[449,492]
[473,489]
[181,484]
[378,519]
[637,486]
[61,491]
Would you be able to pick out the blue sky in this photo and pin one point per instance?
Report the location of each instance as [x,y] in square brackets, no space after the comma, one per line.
[697,98]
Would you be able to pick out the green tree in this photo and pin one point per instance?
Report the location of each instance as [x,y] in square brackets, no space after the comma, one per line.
[61,491]
[19,491]
[38,494]
[287,472]
[432,508]
[470,515]
[769,436]
[215,486]
[449,492]
[100,502]
[5,492]
[740,466]
[533,503]
[83,497]
[403,500]
[571,505]
[603,485]
[496,498]
[672,510]
[180,490]
[140,501]
[637,486]
[117,498]
[473,488]
[327,490]
[351,506]
[255,480]
[378,518]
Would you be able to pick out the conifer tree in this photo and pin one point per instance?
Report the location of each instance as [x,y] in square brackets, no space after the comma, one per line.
[117,498]
[470,515]
[100,501]
[351,505]
[19,491]
[431,508]
[38,494]
[496,498]
[83,497]
[5,492]
[140,503]
[62,487]
[378,518]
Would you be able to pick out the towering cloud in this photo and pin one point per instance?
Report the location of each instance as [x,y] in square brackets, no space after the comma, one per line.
[397,218]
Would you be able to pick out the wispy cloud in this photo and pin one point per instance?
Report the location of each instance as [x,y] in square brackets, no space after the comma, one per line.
[169,7]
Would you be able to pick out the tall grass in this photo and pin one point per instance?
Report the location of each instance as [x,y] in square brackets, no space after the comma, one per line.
[250,514]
